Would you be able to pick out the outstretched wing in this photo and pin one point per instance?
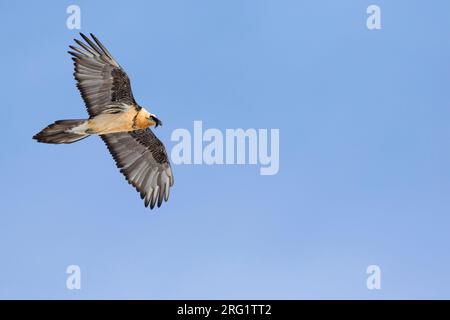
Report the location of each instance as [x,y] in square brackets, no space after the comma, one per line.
[100,79]
[143,160]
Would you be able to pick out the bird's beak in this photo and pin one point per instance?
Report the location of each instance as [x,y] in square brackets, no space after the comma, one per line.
[158,122]
[154,120]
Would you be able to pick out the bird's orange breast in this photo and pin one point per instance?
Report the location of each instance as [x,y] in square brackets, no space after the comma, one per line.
[141,119]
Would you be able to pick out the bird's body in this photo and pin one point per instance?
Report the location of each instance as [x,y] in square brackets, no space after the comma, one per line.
[130,119]
[118,120]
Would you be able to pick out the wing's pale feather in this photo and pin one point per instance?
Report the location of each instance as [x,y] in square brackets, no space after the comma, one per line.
[143,160]
[100,79]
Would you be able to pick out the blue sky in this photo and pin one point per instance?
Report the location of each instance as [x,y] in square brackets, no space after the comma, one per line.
[364,152]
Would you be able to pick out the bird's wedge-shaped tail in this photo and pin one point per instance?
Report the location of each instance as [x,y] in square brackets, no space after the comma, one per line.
[62,131]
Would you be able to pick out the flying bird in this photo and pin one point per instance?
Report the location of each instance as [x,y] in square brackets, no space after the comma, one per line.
[118,119]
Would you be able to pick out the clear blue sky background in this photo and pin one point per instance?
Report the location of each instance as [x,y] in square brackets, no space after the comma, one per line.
[364,153]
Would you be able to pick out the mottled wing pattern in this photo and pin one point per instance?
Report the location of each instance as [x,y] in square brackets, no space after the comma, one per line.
[100,79]
[143,160]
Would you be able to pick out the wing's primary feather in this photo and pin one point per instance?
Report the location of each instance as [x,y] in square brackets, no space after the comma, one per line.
[100,79]
[143,160]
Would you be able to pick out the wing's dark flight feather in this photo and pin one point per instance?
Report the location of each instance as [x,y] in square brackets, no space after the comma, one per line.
[142,159]
[85,47]
[102,47]
[100,79]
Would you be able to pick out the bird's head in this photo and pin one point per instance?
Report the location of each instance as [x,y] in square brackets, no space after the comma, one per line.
[154,121]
